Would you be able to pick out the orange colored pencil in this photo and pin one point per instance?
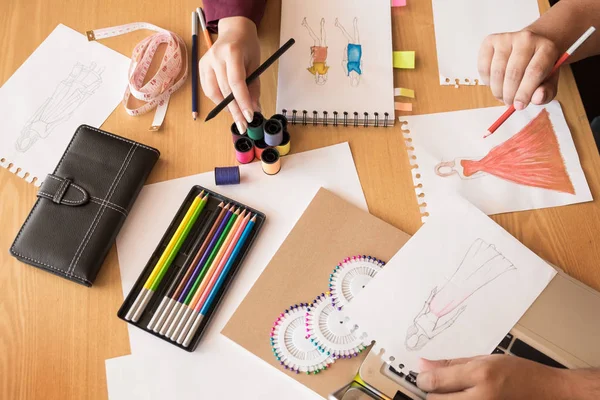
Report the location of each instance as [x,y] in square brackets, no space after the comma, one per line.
[219,269]
[218,259]
[205,31]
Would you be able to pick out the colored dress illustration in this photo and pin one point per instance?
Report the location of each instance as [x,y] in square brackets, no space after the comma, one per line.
[481,265]
[532,157]
[318,53]
[69,94]
[352,62]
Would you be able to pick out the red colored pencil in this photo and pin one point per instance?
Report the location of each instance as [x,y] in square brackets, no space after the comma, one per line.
[560,62]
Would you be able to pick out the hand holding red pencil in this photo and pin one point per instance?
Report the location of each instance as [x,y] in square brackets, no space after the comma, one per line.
[516,85]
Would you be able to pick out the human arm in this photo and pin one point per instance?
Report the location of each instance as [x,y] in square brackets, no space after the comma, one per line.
[498,377]
[516,64]
[234,55]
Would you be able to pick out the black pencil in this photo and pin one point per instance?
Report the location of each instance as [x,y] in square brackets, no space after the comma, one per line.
[251,78]
[194,65]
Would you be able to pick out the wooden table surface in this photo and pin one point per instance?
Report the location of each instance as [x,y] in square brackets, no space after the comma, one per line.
[55,335]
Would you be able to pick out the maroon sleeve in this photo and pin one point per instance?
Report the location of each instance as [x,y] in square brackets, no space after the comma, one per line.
[214,10]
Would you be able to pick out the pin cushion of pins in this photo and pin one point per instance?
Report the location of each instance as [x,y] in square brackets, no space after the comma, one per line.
[291,348]
[350,276]
[328,330]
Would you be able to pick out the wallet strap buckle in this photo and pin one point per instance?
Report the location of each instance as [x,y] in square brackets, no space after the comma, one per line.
[63,191]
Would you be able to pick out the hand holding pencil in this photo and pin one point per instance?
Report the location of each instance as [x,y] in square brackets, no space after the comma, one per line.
[224,68]
[530,74]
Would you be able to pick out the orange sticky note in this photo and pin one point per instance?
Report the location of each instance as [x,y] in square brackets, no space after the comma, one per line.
[403,106]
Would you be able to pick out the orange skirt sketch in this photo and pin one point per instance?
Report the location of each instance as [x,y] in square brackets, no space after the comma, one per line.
[532,157]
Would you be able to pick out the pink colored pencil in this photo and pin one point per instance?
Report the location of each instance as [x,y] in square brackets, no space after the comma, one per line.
[224,260]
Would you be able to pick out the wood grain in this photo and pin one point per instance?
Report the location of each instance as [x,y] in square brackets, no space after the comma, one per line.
[55,335]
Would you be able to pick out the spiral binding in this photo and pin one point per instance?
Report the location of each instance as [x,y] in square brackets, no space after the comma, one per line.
[304,117]
[416,175]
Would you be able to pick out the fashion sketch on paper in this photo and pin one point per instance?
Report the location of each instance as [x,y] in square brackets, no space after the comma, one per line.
[68,96]
[481,265]
[532,158]
[352,58]
[318,53]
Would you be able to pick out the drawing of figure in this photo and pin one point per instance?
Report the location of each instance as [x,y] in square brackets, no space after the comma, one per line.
[352,62]
[318,53]
[69,94]
[532,157]
[481,265]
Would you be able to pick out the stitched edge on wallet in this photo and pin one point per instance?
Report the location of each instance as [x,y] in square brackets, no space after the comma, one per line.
[40,263]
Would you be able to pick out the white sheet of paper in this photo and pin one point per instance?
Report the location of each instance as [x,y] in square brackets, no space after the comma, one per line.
[66,82]
[283,198]
[462,25]
[454,136]
[297,87]
[457,301]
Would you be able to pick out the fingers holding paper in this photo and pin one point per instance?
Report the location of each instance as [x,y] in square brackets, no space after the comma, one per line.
[492,377]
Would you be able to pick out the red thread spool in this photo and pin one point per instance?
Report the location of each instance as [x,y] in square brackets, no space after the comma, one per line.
[259,147]
[244,150]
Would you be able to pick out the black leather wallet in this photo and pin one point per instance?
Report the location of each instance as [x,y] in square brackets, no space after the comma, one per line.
[82,205]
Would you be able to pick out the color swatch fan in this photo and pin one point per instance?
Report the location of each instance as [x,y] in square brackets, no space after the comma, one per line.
[339,72]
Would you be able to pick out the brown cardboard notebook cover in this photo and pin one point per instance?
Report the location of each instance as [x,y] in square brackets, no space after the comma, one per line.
[330,230]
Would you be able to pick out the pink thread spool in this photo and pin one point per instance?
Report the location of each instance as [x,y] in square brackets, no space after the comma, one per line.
[244,150]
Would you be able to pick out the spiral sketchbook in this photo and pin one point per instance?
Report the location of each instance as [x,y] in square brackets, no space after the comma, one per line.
[529,163]
[339,72]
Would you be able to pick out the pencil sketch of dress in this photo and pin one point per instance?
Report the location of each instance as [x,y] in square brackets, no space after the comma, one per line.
[68,96]
[481,265]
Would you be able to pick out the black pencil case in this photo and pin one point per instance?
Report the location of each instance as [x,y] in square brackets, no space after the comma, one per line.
[182,260]
[82,205]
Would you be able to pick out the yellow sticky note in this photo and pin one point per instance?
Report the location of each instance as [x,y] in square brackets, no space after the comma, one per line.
[404,92]
[404,59]
[403,106]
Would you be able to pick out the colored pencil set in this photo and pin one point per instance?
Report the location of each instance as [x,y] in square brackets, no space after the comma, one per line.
[175,295]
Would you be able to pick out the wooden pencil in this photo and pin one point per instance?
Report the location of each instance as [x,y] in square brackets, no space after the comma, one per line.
[145,290]
[211,277]
[180,288]
[219,283]
[186,310]
[167,303]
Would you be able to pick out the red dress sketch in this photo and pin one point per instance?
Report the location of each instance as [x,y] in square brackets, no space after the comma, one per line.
[481,265]
[532,157]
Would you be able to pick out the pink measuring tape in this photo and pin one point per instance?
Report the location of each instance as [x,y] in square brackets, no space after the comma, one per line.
[157,91]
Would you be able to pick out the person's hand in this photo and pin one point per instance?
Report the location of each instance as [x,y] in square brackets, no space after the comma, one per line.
[225,67]
[493,377]
[515,66]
